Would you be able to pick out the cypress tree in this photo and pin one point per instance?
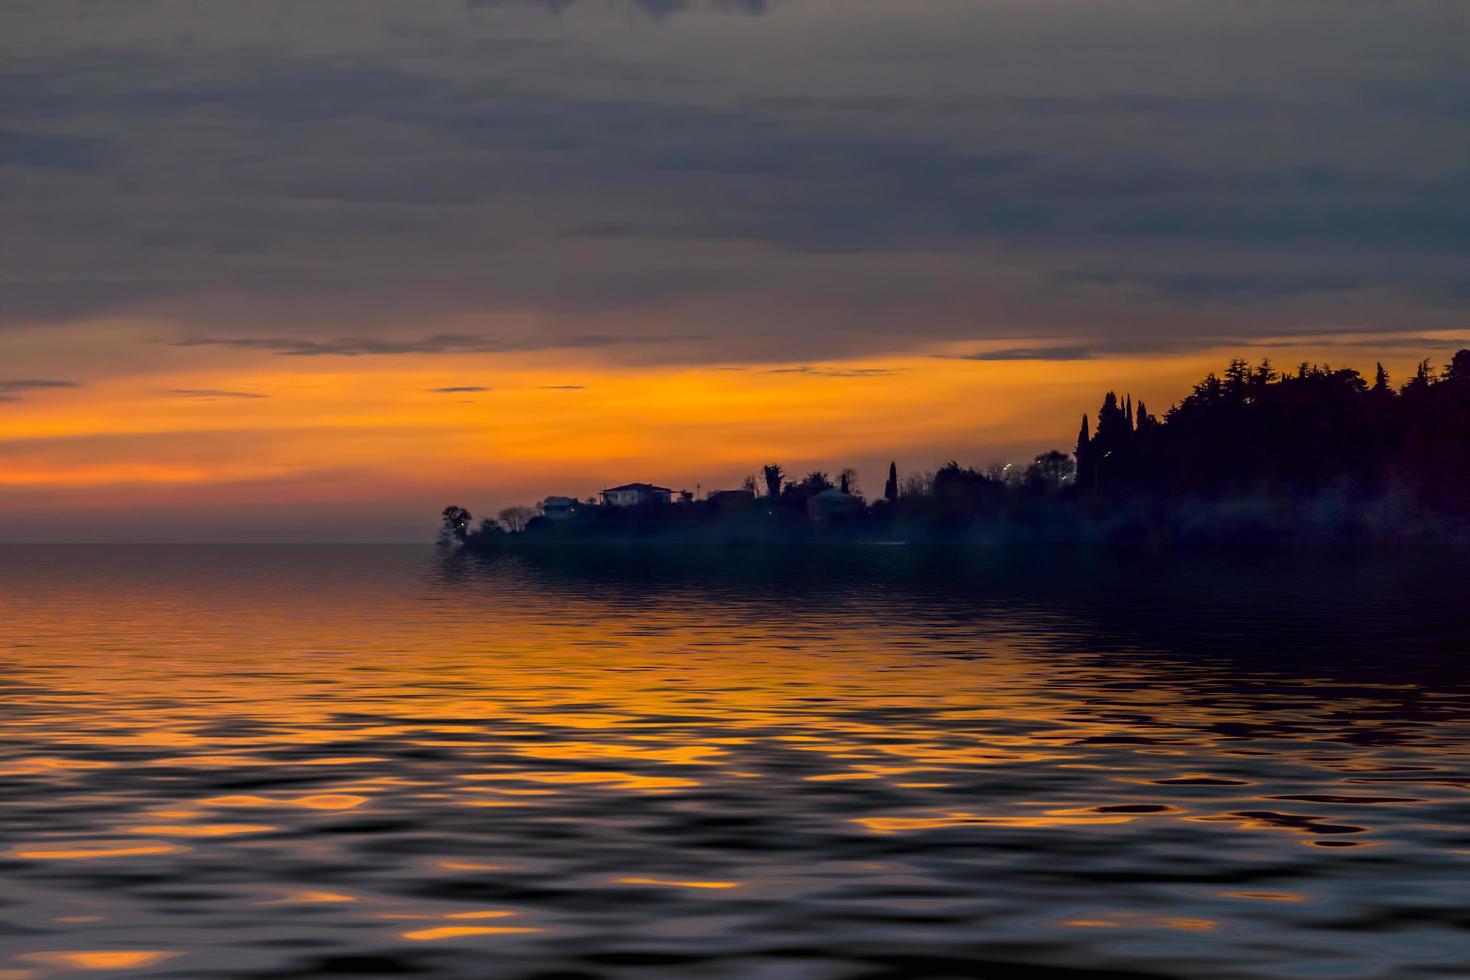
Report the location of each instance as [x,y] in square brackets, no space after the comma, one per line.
[1084,455]
[890,489]
[1380,380]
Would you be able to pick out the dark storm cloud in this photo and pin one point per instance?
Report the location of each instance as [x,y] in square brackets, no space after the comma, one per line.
[971,169]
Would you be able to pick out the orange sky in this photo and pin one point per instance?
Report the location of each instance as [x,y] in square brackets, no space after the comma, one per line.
[208,445]
[241,244]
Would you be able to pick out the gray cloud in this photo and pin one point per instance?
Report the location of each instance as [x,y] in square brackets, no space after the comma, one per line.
[436,344]
[11,390]
[457,389]
[653,8]
[586,170]
[1061,353]
[834,372]
[1409,343]
[210,394]
[303,347]
[1145,345]
[53,151]
[562,387]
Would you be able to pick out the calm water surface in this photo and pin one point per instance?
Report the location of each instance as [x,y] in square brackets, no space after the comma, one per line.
[301,762]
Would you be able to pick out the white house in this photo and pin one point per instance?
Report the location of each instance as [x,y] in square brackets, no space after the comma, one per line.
[634,494]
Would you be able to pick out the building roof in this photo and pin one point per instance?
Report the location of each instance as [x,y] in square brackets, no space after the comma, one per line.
[641,487]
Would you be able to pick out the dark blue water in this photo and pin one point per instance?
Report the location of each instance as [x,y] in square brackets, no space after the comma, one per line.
[302,762]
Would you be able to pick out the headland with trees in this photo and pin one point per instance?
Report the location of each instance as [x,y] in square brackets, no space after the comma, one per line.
[1250,457]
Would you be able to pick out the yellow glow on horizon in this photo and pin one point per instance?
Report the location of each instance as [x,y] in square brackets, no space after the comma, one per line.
[357,430]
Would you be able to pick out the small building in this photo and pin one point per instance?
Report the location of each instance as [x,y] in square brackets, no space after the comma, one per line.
[636,494]
[727,498]
[559,508]
[832,503]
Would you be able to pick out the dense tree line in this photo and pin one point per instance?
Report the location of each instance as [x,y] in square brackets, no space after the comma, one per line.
[1304,452]
[1254,430]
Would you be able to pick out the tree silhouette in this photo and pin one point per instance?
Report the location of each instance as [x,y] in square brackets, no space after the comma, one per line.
[1050,471]
[1252,430]
[917,485]
[773,475]
[516,518]
[1315,447]
[455,526]
[1458,370]
[815,482]
[1085,464]
[1381,386]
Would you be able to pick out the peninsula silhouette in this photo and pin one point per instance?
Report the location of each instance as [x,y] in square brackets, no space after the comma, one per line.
[1251,457]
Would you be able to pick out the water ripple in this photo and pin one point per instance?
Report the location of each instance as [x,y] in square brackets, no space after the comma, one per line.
[270,763]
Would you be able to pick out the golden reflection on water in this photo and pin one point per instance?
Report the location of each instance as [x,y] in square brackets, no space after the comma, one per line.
[89,852]
[893,825]
[460,932]
[312,898]
[202,829]
[608,779]
[1125,920]
[41,766]
[481,914]
[323,801]
[678,884]
[118,959]
[423,752]
[469,866]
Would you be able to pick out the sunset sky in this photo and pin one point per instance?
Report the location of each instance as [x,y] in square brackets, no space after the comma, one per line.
[310,271]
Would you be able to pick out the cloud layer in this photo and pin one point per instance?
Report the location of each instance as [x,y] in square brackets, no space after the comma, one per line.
[778,180]
[12,389]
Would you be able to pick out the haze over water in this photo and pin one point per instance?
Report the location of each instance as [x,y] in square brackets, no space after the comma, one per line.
[272,762]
